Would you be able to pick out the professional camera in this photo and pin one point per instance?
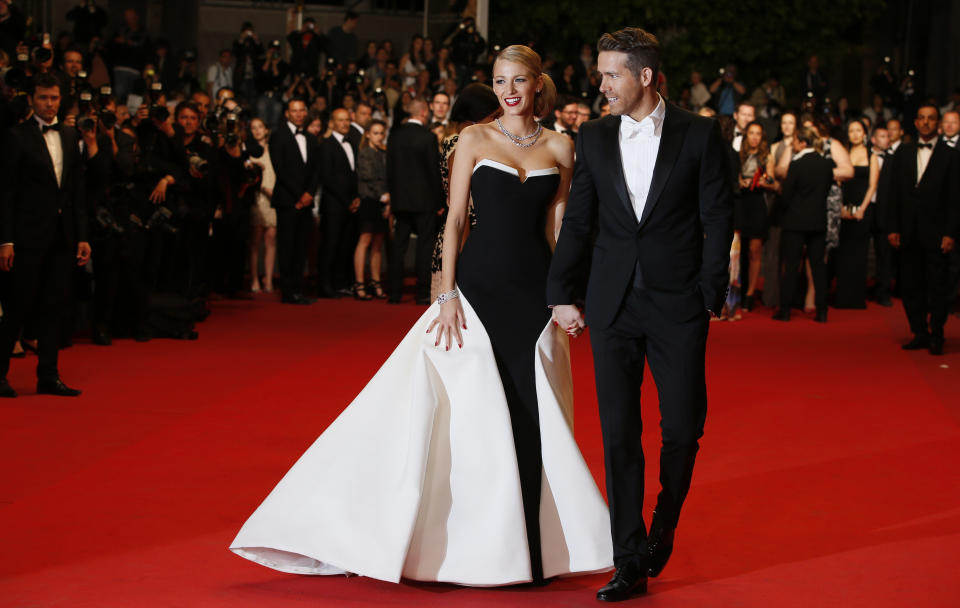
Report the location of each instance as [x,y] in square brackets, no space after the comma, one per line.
[108,118]
[199,164]
[189,55]
[85,102]
[87,123]
[106,220]
[106,92]
[161,219]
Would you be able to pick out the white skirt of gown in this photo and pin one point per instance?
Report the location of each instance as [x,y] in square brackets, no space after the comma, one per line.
[418,477]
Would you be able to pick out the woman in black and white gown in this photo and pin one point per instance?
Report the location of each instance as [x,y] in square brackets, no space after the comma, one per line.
[457,462]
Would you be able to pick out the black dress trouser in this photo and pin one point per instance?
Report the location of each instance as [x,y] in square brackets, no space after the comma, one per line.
[923,287]
[424,225]
[791,251]
[675,350]
[293,237]
[36,286]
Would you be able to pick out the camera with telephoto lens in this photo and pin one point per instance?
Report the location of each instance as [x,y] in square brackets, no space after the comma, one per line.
[106,220]
[199,164]
[189,55]
[106,92]
[161,219]
[231,137]
[87,123]
[156,92]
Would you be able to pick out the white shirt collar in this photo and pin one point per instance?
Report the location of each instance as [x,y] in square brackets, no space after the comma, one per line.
[803,153]
[44,123]
[358,128]
[340,136]
[293,127]
[414,121]
[655,118]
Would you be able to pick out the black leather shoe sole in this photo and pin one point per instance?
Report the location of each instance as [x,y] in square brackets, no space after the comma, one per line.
[916,344]
[60,390]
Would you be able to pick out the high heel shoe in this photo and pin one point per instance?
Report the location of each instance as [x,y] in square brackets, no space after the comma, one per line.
[377,290]
[359,293]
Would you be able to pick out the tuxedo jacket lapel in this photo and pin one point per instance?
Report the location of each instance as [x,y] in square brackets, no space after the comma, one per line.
[610,155]
[937,157]
[671,141]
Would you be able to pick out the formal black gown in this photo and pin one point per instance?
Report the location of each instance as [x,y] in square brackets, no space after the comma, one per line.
[502,272]
[854,242]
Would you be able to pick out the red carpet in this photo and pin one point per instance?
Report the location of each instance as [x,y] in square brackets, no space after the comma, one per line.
[828,475]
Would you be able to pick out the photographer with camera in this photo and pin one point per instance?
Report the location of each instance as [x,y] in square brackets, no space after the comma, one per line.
[13,27]
[727,91]
[43,227]
[270,77]
[248,54]
[306,46]
[467,46]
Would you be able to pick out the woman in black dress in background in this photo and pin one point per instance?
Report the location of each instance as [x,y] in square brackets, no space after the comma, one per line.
[855,223]
[374,209]
[750,212]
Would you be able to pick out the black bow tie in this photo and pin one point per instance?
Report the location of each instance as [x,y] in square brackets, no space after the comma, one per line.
[45,128]
[927,146]
[300,132]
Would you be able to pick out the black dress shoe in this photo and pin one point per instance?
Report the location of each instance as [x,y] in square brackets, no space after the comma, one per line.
[781,315]
[936,346]
[28,346]
[918,343]
[747,303]
[6,390]
[660,541]
[884,301]
[100,337]
[142,335]
[20,355]
[56,387]
[627,580]
[821,316]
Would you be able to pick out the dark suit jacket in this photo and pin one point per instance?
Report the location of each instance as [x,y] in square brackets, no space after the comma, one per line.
[32,205]
[338,179]
[294,177]
[355,136]
[413,169]
[805,193]
[680,246]
[924,213]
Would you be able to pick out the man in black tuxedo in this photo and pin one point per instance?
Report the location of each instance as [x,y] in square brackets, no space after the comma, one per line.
[804,222]
[923,219]
[656,179]
[43,226]
[340,203]
[416,195]
[295,157]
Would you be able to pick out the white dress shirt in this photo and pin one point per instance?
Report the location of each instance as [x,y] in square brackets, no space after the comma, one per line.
[803,153]
[951,141]
[347,149]
[737,139]
[54,146]
[301,139]
[639,146]
[923,156]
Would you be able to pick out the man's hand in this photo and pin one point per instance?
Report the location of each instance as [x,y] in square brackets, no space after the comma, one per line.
[83,253]
[946,245]
[569,318]
[305,201]
[6,257]
[894,239]
[354,205]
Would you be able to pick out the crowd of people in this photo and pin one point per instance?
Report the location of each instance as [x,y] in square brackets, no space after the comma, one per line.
[294,164]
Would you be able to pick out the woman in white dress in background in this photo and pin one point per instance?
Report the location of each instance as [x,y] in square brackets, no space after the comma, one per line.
[263,217]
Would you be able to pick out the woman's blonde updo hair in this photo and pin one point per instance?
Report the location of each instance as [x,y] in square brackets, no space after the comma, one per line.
[528,58]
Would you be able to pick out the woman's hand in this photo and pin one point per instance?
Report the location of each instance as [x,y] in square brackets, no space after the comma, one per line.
[858,214]
[448,323]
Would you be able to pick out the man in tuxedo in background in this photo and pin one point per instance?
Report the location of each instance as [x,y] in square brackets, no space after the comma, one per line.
[43,227]
[360,118]
[742,117]
[804,221]
[416,195]
[950,127]
[338,174]
[923,220]
[295,157]
[565,116]
[656,179]
[878,227]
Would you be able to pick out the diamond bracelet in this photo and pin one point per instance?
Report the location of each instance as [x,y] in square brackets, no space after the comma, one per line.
[446,297]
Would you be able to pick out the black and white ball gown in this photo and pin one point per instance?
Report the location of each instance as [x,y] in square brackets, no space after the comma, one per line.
[457,466]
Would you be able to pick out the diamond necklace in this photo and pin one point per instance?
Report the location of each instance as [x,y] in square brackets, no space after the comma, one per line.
[519,141]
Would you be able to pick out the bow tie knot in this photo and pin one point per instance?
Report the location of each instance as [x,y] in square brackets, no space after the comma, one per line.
[633,130]
[300,132]
[925,146]
[45,128]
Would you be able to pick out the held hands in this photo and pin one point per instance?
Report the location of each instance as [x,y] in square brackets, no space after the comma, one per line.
[354,205]
[569,318]
[6,257]
[448,323]
[83,253]
[305,201]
